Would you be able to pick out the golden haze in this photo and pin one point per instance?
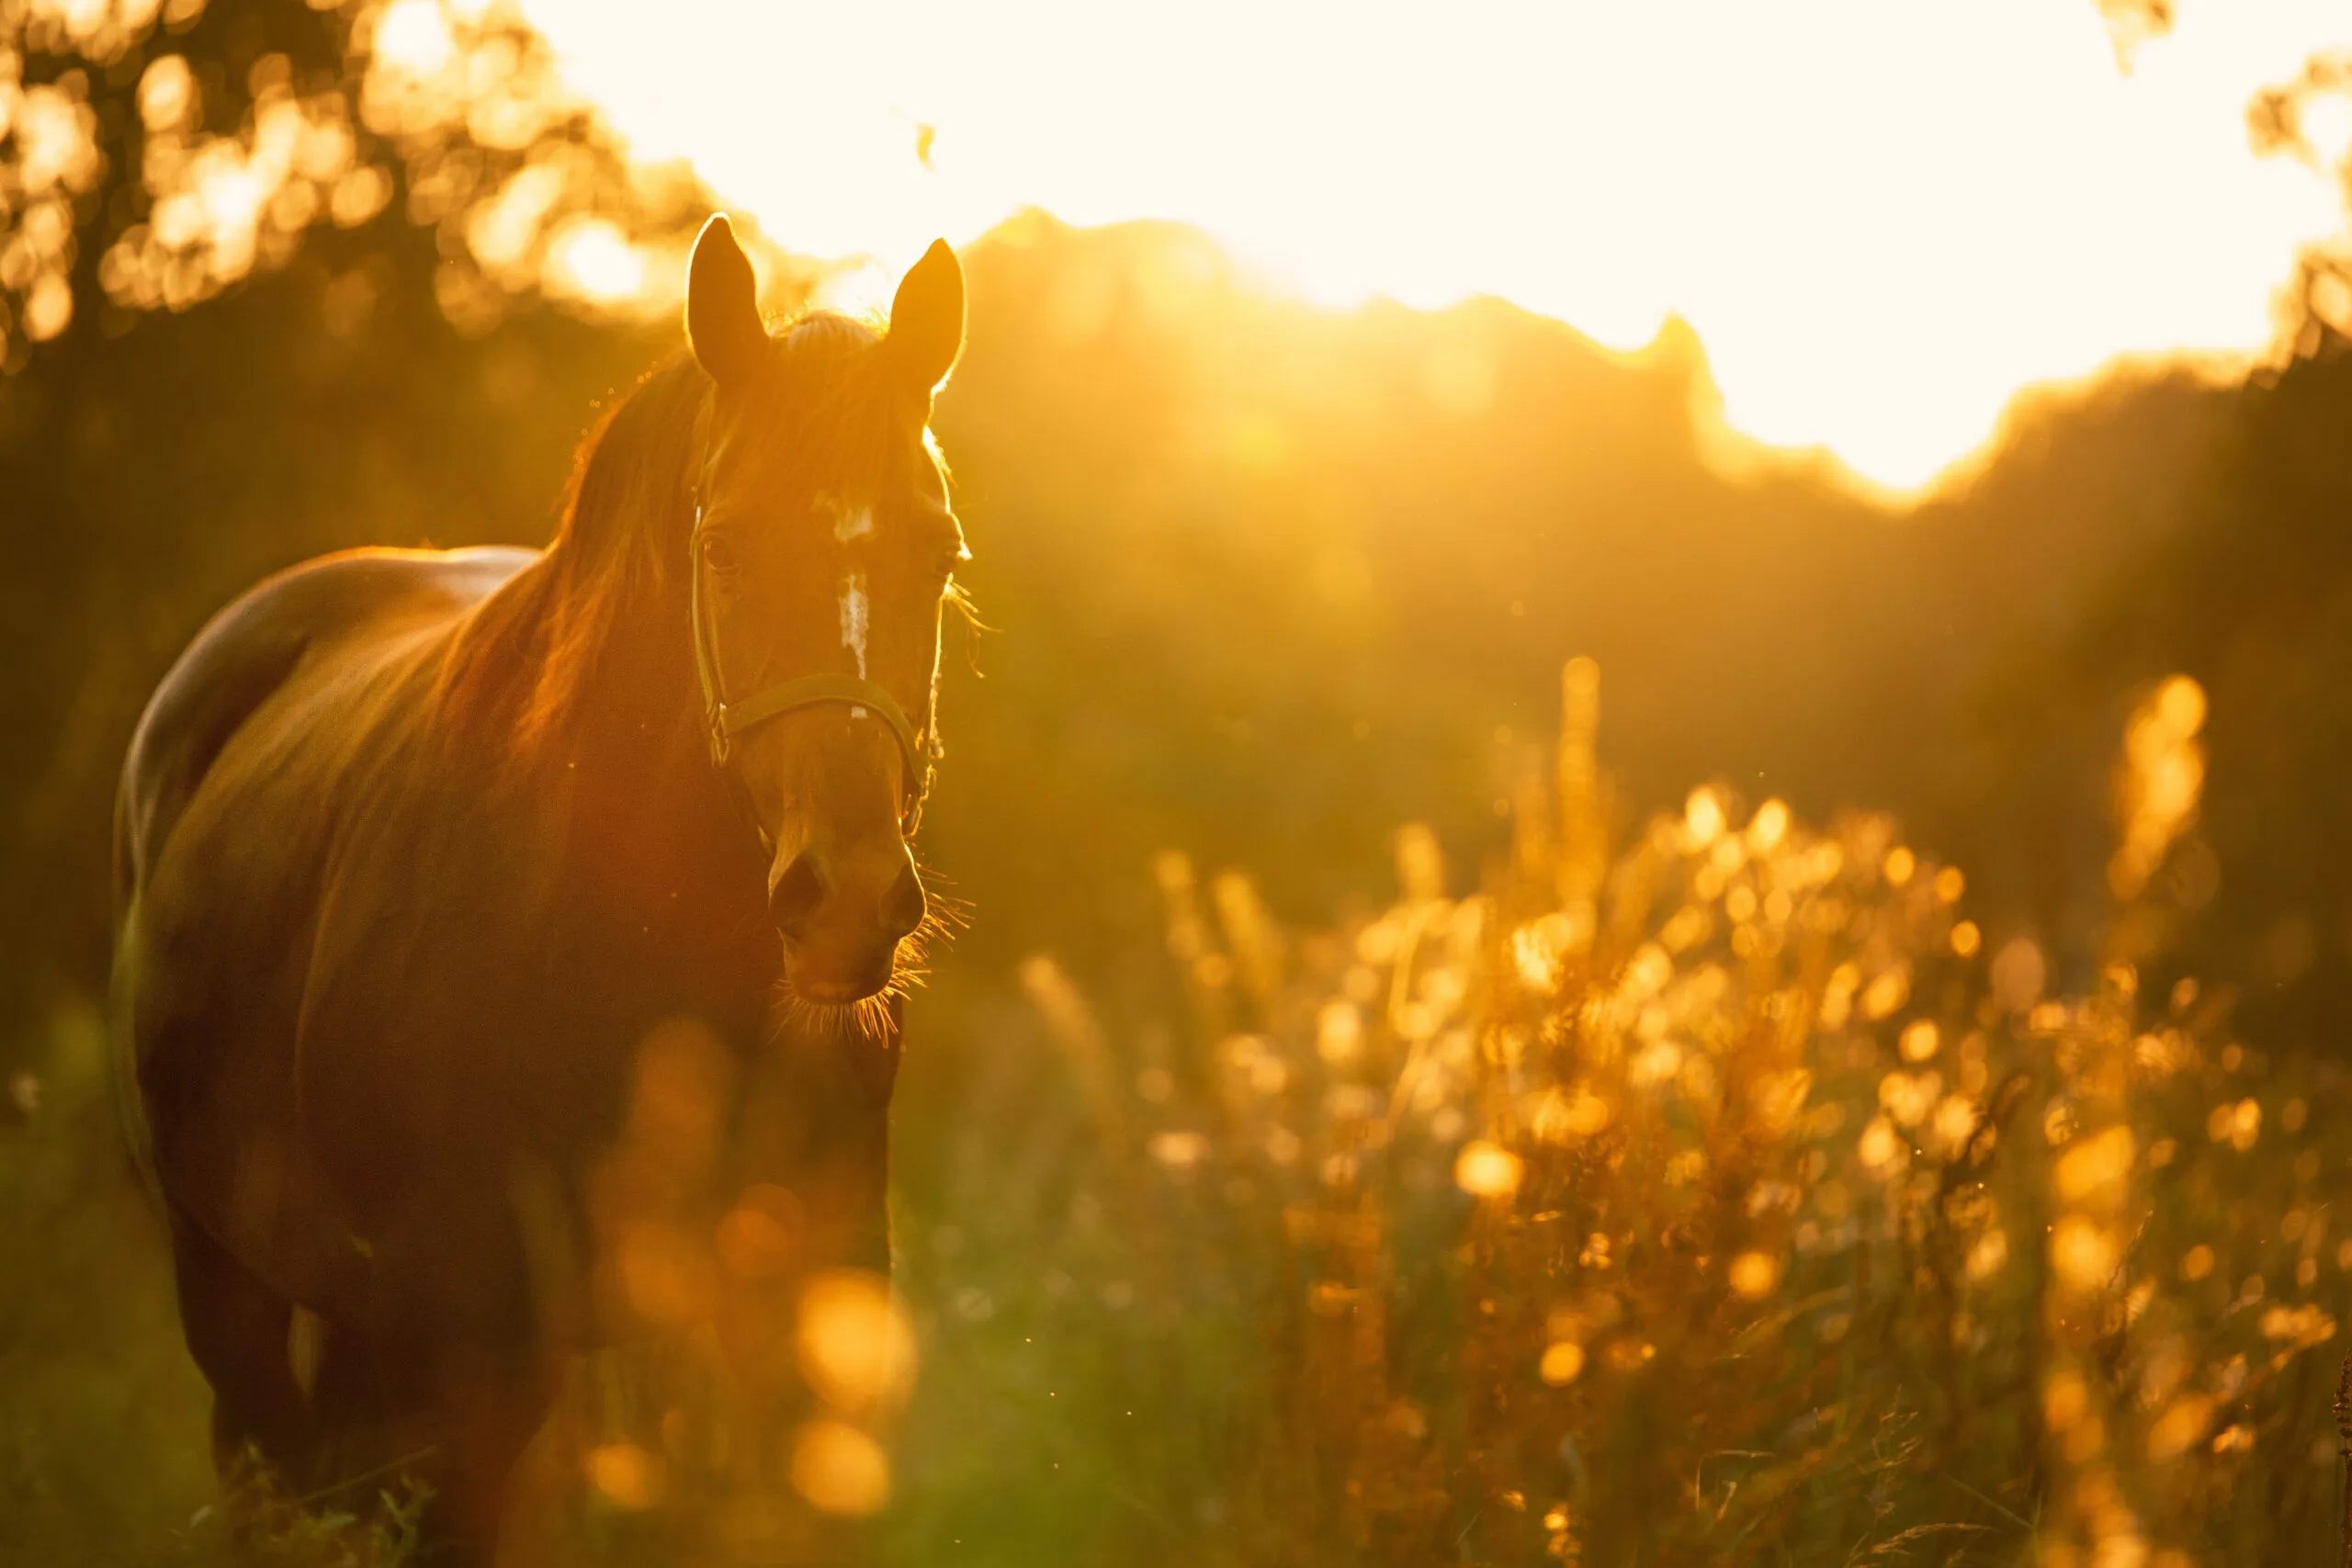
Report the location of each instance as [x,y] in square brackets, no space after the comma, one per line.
[1877,255]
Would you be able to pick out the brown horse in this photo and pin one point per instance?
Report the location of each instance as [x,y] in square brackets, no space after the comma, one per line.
[416,849]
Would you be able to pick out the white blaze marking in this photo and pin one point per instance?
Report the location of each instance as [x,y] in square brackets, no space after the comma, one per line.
[852,522]
[853,617]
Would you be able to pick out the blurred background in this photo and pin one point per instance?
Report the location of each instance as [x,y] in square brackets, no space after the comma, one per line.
[1887,400]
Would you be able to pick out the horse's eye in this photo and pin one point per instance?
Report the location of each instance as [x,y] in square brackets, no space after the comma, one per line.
[718,553]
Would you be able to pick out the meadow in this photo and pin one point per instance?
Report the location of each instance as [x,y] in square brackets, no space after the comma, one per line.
[1706,1188]
[1879,1099]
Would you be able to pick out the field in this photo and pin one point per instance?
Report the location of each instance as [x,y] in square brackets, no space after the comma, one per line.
[1705,1189]
[1880,1097]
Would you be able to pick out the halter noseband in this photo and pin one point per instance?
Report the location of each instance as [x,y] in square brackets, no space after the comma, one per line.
[725,720]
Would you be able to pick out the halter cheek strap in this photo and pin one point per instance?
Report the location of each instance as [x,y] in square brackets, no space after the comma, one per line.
[725,719]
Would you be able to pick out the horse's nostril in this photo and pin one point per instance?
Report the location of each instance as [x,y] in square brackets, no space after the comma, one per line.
[797,893]
[905,910]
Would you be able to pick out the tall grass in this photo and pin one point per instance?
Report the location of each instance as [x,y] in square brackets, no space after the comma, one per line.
[1724,1195]
[1707,1190]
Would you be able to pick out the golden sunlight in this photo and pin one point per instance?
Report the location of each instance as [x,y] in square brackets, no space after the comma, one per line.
[1876,256]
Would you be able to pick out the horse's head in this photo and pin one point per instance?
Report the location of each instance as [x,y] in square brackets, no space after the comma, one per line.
[822,555]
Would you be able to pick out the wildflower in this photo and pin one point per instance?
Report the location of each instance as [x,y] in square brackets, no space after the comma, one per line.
[1702,818]
[1881,1149]
[1909,1097]
[2238,1125]
[1987,1256]
[2181,1427]
[2304,1325]
[1955,1121]
[2083,1252]
[625,1474]
[2094,1169]
[1885,994]
[1179,1151]
[1487,1169]
[1537,962]
[857,1344]
[1575,1113]
[1563,1360]
[2018,973]
[1657,1064]
[1779,1097]
[840,1469]
[1754,1275]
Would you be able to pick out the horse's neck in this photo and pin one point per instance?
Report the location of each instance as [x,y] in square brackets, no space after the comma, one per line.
[627,697]
[601,723]
[661,853]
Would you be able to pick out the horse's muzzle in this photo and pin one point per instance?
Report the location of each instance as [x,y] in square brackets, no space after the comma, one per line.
[843,915]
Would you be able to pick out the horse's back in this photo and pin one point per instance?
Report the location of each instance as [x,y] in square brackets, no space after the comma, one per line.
[250,651]
[226,813]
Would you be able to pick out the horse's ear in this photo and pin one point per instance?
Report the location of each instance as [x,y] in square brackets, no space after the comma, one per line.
[927,319]
[723,306]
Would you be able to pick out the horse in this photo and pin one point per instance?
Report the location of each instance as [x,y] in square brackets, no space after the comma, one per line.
[416,851]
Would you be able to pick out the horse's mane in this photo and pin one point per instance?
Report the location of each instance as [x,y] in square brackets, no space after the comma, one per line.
[621,542]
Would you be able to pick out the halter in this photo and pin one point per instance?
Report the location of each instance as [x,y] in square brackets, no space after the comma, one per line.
[725,720]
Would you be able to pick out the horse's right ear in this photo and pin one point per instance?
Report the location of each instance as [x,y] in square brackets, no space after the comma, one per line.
[723,307]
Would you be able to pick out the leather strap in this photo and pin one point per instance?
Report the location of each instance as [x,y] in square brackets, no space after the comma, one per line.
[726,720]
[732,718]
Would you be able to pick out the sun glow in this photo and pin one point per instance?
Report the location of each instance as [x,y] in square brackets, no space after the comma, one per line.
[591,258]
[1884,217]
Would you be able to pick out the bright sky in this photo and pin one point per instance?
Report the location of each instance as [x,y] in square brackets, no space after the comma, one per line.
[1883,217]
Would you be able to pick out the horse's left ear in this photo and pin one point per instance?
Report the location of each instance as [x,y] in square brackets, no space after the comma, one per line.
[927,319]
[723,307]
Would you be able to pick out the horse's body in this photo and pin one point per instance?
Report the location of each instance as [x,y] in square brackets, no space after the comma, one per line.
[416,851]
[258,999]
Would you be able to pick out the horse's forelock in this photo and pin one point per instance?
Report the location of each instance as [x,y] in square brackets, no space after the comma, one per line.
[834,398]
[632,478]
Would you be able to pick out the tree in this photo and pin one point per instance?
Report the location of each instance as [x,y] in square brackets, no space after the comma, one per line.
[354,196]
[156,153]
